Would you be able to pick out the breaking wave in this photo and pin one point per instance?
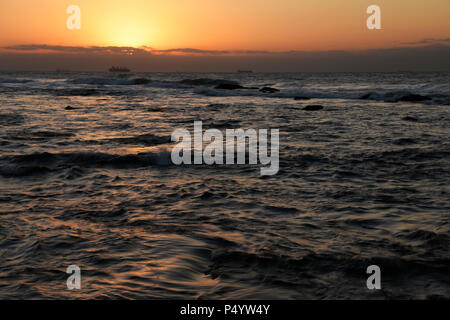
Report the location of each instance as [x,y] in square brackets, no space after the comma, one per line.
[40,163]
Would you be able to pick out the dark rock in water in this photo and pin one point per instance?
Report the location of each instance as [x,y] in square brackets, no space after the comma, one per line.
[141,81]
[269,90]
[207,82]
[404,141]
[414,98]
[314,107]
[301,98]
[229,86]
[366,96]
[408,118]
[154,109]
[69,108]
[206,195]
[76,92]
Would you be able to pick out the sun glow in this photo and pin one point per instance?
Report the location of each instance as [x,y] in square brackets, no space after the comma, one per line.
[128,34]
[223,25]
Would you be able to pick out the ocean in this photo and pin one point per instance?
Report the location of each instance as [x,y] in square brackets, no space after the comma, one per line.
[86,179]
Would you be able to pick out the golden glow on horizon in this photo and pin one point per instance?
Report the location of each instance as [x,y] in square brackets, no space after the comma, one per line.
[126,33]
[274,25]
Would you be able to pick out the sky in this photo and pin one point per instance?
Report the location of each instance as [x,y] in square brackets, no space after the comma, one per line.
[216,35]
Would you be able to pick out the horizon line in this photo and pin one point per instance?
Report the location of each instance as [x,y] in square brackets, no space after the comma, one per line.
[131,51]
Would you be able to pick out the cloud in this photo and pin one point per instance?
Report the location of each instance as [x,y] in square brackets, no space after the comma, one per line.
[428,57]
[77,49]
[145,50]
[118,50]
[190,51]
[194,51]
[427,41]
[130,50]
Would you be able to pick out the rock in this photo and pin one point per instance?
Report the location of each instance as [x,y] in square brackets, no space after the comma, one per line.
[207,82]
[141,81]
[313,107]
[366,96]
[301,98]
[69,108]
[409,118]
[269,90]
[154,109]
[82,92]
[414,98]
[229,86]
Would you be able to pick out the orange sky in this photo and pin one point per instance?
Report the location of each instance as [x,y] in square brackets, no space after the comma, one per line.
[274,25]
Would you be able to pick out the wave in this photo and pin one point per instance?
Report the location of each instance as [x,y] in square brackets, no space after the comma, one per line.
[207,82]
[428,93]
[430,239]
[3,80]
[141,140]
[230,261]
[40,163]
[11,119]
[23,171]
[110,81]
[41,135]
[412,162]
[390,96]
[83,92]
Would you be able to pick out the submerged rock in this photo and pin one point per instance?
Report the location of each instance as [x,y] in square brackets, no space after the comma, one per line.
[414,98]
[155,109]
[313,107]
[409,118]
[229,86]
[141,81]
[82,92]
[269,90]
[366,96]
[207,82]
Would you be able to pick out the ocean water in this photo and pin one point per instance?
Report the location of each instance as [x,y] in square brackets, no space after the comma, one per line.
[86,179]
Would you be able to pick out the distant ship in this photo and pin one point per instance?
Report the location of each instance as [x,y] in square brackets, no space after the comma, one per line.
[119,69]
[244,71]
